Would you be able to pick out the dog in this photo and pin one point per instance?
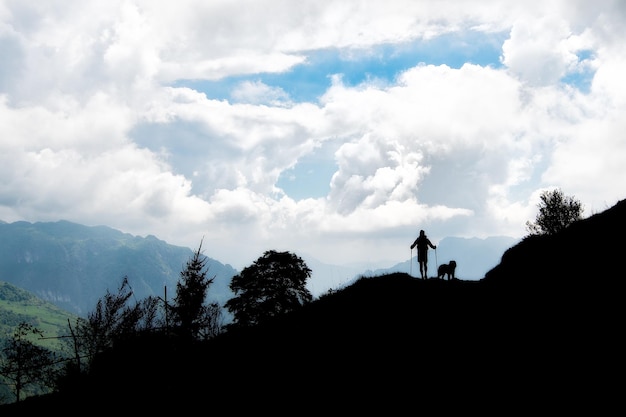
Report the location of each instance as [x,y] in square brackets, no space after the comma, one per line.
[446,269]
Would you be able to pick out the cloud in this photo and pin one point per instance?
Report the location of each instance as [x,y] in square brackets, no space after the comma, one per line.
[105,120]
[542,51]
[259,93]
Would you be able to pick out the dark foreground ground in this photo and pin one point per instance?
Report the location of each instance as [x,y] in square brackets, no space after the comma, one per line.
[541,333]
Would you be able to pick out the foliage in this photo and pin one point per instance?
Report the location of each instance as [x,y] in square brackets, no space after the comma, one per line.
[114,319]
[25,364]
[556,212]
[12,293]
[193,318]
[20,306]
[273,285]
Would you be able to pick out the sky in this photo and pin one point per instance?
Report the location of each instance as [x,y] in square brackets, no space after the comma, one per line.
[331,129]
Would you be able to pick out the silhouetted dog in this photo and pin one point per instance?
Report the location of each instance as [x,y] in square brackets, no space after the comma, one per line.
[448,269]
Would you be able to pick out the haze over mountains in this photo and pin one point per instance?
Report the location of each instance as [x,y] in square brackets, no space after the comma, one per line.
[72,265]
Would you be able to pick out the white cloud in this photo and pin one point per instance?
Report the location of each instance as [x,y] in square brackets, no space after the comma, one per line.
[260,93]
[95,131]
[540,51]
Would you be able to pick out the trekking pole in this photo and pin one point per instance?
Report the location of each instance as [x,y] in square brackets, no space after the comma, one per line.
[436,262]
[411,260]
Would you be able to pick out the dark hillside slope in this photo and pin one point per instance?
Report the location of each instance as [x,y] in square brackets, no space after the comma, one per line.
[566,292]
[570,280]
[588,253]
[380,338]
[528,338]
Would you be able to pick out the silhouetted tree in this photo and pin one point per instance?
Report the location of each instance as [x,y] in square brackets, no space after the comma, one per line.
[25,364]
[194,318]
[556,212]
[274,284]
[112,320]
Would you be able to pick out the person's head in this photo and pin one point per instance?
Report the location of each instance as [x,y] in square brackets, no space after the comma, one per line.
[422,233]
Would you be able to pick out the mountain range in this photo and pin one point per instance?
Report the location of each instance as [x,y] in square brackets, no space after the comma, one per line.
[73,265]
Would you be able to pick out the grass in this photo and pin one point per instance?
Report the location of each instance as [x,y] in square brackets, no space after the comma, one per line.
[17,305]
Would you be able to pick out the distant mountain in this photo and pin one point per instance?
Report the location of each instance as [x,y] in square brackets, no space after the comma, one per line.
[474,257]
[72,266]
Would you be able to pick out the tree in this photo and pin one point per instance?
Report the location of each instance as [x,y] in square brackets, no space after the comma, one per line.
[24,363]
[194,318]
[556,212]
[273,285]
[112,320]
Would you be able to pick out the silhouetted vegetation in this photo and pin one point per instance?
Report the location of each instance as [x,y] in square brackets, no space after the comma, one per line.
[25,364]
[275,284]
[193,318]
[113,320]
[119,319]
[556,212]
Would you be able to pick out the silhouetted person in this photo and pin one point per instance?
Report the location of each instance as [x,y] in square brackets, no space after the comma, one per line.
[422,242]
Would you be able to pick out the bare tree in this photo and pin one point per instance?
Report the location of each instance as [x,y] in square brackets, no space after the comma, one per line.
[114,319]
[25,364]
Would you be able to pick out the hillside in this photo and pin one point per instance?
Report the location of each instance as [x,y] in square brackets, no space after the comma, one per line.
[541,332]
[17,306]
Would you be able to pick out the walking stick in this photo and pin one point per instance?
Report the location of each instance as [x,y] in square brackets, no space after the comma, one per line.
[436,263]
[411,260]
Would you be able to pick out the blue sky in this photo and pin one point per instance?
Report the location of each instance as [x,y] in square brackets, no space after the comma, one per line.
[332,130]
[309,80]
[383,64]
[306,82]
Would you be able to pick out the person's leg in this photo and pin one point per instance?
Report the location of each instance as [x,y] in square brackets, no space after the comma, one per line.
[426,270]
[422,269]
